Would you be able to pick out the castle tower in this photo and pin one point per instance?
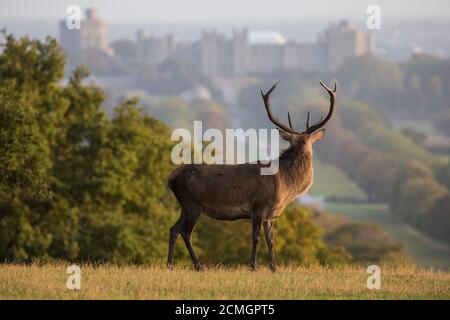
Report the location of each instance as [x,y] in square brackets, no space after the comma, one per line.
[240,52]
[94,32]
[344,41]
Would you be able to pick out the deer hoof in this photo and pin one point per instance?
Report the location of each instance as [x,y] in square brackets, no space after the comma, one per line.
[169,267]
[199,267]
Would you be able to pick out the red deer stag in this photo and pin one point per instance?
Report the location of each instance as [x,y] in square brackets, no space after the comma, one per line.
[232,192]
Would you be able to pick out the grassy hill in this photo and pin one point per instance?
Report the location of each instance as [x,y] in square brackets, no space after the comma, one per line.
[332,182]
[329,181]
[155,282]
[425,251]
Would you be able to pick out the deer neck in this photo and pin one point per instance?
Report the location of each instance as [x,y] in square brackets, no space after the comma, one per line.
[296,170]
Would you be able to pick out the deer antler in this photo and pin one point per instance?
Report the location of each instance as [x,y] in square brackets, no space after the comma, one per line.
[290,128]
[266,97]
[321,123]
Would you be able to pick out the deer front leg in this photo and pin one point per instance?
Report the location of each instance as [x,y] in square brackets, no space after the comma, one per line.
[256,221]
[268,231]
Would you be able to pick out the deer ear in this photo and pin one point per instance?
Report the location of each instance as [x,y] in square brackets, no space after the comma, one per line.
[285,135]
[316,136]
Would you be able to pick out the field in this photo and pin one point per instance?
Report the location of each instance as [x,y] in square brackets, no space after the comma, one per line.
[155,282]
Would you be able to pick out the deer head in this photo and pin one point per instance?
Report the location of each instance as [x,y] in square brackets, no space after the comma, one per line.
[313,132]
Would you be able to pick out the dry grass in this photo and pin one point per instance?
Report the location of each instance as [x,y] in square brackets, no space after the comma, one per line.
[155,282]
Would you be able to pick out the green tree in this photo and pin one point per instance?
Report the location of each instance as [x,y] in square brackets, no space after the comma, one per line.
[443,174]
[416,136]
[375,173]
[24,164]
[372,79]
[367,243]
[416,199]
[438,219]
[411,170]
[74,183]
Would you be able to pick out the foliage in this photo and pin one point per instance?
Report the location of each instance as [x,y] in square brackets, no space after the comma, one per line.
[365,242]
[426,78]
[438,220]
[23,180]
[75,183]
[376,133]
[366,77]
[416,198]
[442,174]
[412,88]
[416,136]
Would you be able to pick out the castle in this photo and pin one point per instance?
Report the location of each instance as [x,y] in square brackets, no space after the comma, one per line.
[92,35]
[216,55]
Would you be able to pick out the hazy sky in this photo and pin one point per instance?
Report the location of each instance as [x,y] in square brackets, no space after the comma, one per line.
[203,10]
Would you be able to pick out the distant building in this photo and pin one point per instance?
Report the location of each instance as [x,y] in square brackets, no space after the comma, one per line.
[306,56]
[153,50]
[93,35]
[343,41]
[265,51]
[94,32]
[240,55]
[217,55]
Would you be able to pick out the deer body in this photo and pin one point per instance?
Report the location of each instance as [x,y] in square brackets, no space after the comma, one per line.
[232,192]
[222,195]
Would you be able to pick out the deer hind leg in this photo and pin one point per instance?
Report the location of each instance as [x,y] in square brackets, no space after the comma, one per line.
[268,231]
[186,232]
[256,229]
[175,230]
